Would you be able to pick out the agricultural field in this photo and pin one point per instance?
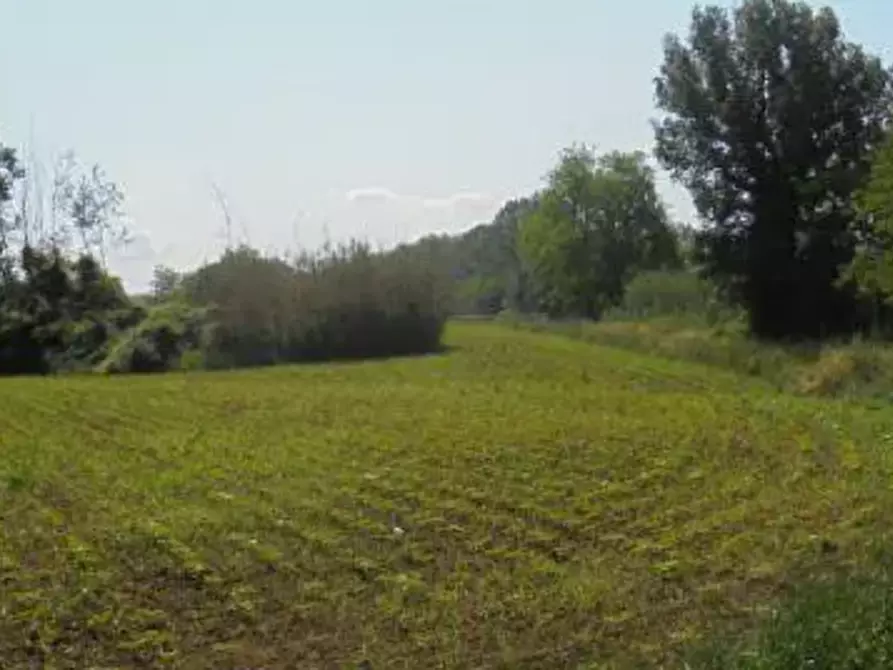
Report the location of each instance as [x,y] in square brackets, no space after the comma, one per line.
[522,501]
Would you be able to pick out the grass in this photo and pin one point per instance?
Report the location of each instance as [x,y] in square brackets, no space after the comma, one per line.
[527,500]
[838,369]
[841,623]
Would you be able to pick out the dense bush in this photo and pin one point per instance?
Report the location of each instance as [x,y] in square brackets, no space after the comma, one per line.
[159,342]
[346,302]
[57,314]
[666,293]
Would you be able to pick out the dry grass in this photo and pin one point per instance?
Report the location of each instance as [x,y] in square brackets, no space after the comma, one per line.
[526,501]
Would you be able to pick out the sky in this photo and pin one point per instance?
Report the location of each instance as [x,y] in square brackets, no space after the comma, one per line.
[384,120]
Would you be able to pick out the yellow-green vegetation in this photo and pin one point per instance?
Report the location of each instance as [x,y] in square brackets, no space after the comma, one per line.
[525,500]
[860,368]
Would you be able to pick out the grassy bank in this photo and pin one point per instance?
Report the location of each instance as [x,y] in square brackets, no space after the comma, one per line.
[859,368]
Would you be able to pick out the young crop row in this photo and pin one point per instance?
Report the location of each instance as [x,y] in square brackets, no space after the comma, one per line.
[524,500]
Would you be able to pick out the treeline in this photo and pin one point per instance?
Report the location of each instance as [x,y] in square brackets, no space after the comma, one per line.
[776,125]
[567,250]
[60,311]
[768,115]
[344,302]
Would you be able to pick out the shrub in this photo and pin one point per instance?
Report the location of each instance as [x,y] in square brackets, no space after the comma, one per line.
[662,293]
[344,303]
[859,366]
[87,341]
[160,341]
[58,313]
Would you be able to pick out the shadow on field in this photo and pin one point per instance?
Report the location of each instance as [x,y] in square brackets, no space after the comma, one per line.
[443,350]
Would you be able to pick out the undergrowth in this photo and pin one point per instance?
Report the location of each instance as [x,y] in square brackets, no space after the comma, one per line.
[839,369]
[843,622]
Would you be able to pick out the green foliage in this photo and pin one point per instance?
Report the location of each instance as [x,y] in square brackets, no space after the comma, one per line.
[687,236]
[165,283]
[490,259]
[349,503]
[872,265]
[719,338]
[769,119]
[597,223]
[346,302]
[842,623]
[159,341]
[480,295]
[58,315]
[483,264]
[62,315]
[59,311]
[10,171]
[63,312]
[661,293]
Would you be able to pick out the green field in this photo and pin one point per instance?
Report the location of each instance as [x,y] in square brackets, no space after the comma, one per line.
[524,500]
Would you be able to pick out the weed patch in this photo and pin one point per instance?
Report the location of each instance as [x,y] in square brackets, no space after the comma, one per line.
[845,621]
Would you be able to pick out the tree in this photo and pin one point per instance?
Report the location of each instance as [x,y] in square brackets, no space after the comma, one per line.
[493,275]
[597,223]
[872,265]
[58,310]
[88,206]
[483,264]
[10,173]
[687,240]
[165,282]
[518,284]
[769,119]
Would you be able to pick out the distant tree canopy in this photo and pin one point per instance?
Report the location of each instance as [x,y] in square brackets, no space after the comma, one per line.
[165,283]
[769,119]
[483,264]
[772,120]
[61,311]
[492,272]
[598,222]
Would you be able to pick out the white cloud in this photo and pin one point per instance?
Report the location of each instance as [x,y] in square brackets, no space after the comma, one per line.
[465,197]
[381,194]
[388,216]
[372,193]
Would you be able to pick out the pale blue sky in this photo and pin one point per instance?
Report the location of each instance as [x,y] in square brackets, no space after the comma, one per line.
[380,119]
